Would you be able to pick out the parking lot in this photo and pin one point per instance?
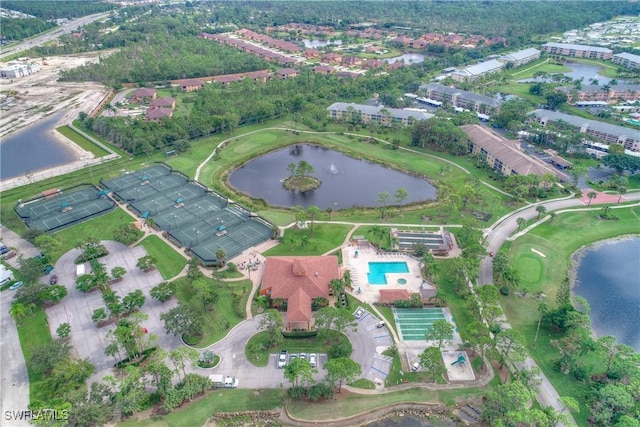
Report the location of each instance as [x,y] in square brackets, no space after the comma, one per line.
[378,367]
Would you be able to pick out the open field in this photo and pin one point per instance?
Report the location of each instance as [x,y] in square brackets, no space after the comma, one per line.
[82,141]
[325,237]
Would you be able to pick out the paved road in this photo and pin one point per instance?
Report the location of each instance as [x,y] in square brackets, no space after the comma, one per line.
[14,386]
[52,35]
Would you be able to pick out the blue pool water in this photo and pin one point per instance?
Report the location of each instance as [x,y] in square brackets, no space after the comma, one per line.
[377,270]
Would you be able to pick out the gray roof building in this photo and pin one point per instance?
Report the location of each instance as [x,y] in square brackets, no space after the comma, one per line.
[455,94]
[521,55]
[371,112]
[579,47]
[608,133]
[477,70]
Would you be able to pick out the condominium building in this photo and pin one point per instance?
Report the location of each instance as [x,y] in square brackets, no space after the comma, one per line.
[476,71]
[577,50]
[603,132]
[521,57]
[607,93]
[368,113]
[503,155]
[461,98]
[627,60]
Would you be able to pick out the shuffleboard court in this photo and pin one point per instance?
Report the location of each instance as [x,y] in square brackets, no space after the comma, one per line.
[413,323]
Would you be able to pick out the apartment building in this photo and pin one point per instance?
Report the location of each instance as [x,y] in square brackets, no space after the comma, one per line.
[368,113]
[461,98]
[476,71]
[520,57]
[577,50]
[603,132]
[627,60]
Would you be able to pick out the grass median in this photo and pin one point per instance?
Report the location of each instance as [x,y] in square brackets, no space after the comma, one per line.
[170,263]
[81,141]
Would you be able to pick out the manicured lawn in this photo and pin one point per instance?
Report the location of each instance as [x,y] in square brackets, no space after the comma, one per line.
[557,241]
[197,413]
[82,141]
[33,334]
[353,404]
[544,66]
[292,345]
[394,376]
[325,238]
[170,263]
[363,383]
[227,312]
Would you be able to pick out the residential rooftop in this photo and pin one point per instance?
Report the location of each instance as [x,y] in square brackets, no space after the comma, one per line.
[591,124]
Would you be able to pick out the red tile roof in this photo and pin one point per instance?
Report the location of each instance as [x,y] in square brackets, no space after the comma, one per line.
[299,279]
[388,296]
[167,102]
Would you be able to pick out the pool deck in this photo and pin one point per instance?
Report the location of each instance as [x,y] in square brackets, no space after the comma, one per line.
[359,266]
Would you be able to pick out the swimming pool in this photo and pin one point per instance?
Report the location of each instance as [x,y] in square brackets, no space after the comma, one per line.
[377,271]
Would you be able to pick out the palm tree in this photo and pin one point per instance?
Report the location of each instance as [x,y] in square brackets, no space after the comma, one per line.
[541,210]
[18,311]
[377,232]
[221,255]
[591,195]
[520,221]
[346,277]
[621,191]
[313,212]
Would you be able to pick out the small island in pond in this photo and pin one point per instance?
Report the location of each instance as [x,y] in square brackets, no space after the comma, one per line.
[300,178]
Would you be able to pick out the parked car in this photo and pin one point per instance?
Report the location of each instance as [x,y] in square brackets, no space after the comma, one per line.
[380,325]
[415,366]
[303,356]
[293,357]
[282,359]
[359,312]
[53,279]
[313,360]
[3,250]
[48,269]
[16,285]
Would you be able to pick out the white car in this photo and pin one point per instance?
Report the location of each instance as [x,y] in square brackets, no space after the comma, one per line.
[415,366]
[359,312]
[313,360]
[282,359]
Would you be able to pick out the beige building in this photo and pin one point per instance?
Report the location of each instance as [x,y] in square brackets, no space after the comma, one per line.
[368,113]
[577,50]
[504,155]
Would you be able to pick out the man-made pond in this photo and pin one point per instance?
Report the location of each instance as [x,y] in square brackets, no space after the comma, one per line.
[409,58]
[346,182]
[33,149]
[578,71]
[608,277]
[316,43]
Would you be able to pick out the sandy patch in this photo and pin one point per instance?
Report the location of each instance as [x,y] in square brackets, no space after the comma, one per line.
[535,251]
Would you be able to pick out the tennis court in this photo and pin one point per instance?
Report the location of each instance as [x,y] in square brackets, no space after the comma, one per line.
[413,323]
[67,208]
[191,215]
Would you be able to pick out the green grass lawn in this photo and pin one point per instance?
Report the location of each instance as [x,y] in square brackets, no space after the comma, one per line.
[394,376]
[228,311]
[225,400]
[558,241]
[101,227]
[387,312]
[33,334]
[363,383]
[83,142]
[528,71]
[353,404]
[292,345]
[325,237]
[170,263]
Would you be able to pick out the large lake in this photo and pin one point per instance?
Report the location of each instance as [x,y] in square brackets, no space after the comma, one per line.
[609,278]
[33,149]
[346,182]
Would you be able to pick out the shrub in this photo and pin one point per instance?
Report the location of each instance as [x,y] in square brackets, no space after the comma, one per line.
[298,392]
[299,334]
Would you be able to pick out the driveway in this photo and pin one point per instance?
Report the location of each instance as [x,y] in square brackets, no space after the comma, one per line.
[233,362]
[77,307]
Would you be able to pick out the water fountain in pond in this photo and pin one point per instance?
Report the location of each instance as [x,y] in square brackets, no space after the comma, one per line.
[333,170]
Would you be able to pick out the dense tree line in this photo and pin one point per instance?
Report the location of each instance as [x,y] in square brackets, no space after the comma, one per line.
[220,109]
[18,28]
[492,18]
[165,57]
[57,9]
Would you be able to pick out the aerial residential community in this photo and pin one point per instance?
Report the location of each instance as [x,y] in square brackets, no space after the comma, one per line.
[319,213]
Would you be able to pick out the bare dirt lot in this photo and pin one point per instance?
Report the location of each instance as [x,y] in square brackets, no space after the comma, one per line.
[40,94]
